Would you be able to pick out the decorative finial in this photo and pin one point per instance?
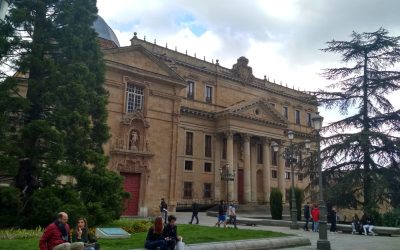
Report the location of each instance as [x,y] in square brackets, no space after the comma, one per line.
[204,58]
[212,61]
[194,55]
[265,77]
[144,38]
[176,49]
[135,35]
[186,52]
[155,41]
[166,45]
[217,61]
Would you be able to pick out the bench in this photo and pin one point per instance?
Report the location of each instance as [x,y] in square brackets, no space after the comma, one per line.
[346,228]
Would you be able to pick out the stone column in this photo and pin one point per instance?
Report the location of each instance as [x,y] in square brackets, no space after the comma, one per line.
[253,172]
[217,166]
[281,173]
[267,169]
[246,174]
[229,159]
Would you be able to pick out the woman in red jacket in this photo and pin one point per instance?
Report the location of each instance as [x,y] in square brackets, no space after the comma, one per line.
[56,236]
[315,217]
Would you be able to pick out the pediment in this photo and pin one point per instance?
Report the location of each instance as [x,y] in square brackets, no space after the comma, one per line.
[138,57]
[258,109]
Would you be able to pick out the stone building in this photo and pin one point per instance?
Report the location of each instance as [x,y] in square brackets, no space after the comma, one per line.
[178,121]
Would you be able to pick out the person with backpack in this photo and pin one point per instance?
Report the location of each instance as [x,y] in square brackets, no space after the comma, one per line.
[307,216]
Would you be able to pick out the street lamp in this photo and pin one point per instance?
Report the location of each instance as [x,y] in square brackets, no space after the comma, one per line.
[227,176]
[291,159]
[323,242]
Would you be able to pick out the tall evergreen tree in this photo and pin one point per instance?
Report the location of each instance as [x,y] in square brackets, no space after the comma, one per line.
[64,125]
[367,140]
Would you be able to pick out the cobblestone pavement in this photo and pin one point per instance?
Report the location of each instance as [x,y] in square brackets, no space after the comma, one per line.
[338,241]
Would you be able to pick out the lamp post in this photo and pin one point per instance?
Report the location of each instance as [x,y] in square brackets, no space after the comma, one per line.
[227,176]
[290,157]
[323,242]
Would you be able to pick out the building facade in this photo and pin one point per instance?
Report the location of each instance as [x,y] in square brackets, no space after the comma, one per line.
[177,122]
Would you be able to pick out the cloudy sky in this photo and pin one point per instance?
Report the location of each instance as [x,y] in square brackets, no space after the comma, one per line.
[281,38]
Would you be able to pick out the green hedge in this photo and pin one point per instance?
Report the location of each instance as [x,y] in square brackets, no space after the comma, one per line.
[275,202]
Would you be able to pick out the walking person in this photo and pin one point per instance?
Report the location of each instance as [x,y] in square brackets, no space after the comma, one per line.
[307,216]
[221,214]
[195,212]
[232,214]
[315,216]
[333,220]
[56,236]
[164,210]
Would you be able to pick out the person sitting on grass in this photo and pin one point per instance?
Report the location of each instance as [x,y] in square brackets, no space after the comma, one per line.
[170,233]
[155,237]
[56,236]
[81,234]
[221,214]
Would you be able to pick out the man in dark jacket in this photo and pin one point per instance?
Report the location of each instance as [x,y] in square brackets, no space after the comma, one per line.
[164,210]
[195,212]
[306,215]
[57,237]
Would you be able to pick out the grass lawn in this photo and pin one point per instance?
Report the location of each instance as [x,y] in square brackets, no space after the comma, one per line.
[190,233]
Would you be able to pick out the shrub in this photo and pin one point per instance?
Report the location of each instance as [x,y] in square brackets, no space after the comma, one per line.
[13,234]
[392,218]
[10,206]
[275,201]
[298,194]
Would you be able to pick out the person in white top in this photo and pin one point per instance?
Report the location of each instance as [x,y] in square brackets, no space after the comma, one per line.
[232,214]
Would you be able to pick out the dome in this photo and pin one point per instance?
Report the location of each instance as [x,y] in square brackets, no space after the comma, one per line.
[104,31]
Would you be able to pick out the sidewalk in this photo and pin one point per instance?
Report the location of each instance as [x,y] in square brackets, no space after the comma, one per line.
[338,240]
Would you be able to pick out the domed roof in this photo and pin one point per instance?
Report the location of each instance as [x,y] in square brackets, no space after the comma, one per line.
[104,31]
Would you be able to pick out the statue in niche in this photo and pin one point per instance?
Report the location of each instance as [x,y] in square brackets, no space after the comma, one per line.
[133,140]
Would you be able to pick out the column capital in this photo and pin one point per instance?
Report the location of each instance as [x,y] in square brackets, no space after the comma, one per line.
[229,134]
[266,141]
[246,137]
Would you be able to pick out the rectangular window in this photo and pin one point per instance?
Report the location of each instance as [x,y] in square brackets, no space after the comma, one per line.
[224,146]
[207,167]
[207,190]
[207,146]
[287,175]
[309,120]
[187,189]
[188,165]
[209,93]
[260,154]
[286,112]
[134,98]
[189,143]
[274,158]
[297,116]
[274,174]
[190,90]
[300,176]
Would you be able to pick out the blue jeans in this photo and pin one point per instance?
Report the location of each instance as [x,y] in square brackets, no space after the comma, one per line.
[162,244]
[316,223]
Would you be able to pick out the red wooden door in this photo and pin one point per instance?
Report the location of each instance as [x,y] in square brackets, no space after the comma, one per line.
[240,186]
[132,186]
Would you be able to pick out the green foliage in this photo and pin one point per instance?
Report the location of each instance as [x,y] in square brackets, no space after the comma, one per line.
[299,195]
[392,218]
[14,234]
[10,206]
[275,202]
[61,124]
[366,140]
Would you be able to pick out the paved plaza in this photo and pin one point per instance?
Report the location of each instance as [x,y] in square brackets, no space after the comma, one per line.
[338,240]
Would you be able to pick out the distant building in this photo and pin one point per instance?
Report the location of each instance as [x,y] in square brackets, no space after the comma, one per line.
[176,120]
[3,8]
